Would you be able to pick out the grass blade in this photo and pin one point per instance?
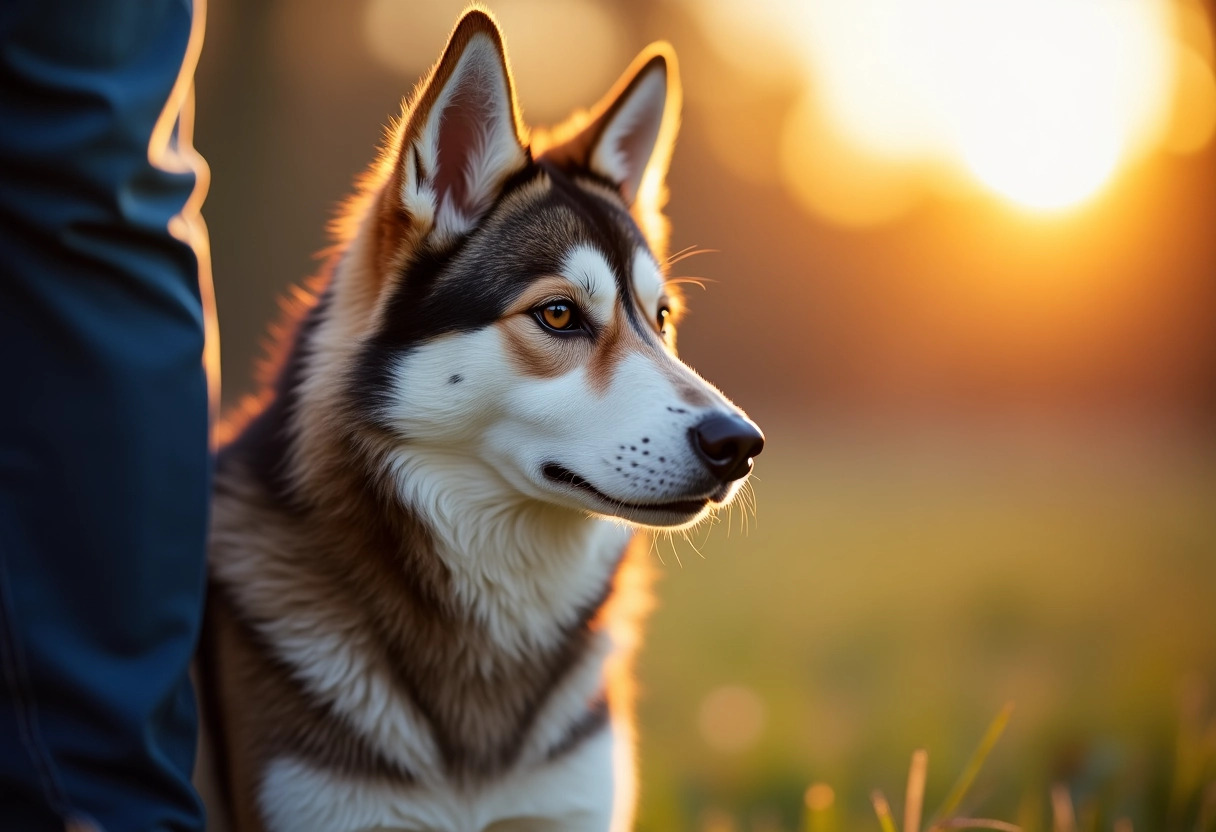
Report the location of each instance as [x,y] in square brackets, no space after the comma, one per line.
[883,809]
[961,786]
[914,801]
[1207,809]
[1063,816]
[977,823]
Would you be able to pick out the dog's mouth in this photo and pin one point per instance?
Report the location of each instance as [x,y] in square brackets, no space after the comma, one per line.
[683,508]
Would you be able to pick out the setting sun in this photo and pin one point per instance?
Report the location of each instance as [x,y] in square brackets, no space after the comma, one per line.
[1046,100]
[1041,102]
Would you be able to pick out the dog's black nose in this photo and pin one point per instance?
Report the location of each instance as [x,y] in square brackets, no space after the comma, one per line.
[727,444]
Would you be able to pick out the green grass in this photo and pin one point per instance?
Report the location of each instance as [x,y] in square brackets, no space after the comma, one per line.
[892,599]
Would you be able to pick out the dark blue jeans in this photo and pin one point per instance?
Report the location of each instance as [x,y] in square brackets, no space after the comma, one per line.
[104,461]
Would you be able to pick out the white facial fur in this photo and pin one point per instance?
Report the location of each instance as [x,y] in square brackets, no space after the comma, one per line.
[647,281]
[630,439]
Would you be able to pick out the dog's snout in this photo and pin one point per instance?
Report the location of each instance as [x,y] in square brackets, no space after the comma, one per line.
[727,445]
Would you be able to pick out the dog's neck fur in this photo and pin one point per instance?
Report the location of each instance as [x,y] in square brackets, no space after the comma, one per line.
[526,570]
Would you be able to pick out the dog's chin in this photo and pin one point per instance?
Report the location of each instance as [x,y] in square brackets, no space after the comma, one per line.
[658,514]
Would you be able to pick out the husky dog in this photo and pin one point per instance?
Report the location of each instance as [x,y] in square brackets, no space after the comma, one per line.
[423,596]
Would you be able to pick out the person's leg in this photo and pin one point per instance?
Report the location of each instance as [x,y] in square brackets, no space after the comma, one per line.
[104,461]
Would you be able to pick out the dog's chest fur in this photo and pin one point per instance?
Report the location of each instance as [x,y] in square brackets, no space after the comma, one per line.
[343,650]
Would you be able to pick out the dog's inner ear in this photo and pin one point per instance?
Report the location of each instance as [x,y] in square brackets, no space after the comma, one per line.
[461,141]
[630,134]
[625,137]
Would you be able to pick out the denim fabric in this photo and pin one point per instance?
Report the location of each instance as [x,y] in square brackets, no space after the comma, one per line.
[104,462]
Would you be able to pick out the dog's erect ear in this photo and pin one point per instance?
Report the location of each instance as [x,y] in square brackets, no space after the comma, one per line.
[460,140]
[628,136]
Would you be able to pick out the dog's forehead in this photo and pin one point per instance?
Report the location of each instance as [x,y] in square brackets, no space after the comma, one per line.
[583,230]
[546,224]
[587,267]
[601,215]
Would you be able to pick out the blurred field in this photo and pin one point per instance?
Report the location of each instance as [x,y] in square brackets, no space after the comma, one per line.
[889,598]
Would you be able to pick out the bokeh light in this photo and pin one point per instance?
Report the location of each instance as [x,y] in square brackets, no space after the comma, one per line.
[1194,115]
[819,797]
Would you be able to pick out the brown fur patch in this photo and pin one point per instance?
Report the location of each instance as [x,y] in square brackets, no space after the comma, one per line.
[537,353]
[615,342]
[684,382]
[693,395]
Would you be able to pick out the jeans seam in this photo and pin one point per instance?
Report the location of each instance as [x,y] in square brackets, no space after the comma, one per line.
[25,709]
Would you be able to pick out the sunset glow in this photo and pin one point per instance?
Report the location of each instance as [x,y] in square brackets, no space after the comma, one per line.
[1049,97]
[1041,102]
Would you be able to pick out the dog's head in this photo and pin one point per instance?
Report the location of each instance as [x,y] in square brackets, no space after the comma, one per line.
[514,314]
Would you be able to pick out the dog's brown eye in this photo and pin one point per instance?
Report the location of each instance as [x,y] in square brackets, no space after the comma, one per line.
[664,314]
[559,316]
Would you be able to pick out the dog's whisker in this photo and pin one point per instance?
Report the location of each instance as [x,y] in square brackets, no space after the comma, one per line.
[699,282]
[685,253]
[676,256]
[656,549]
